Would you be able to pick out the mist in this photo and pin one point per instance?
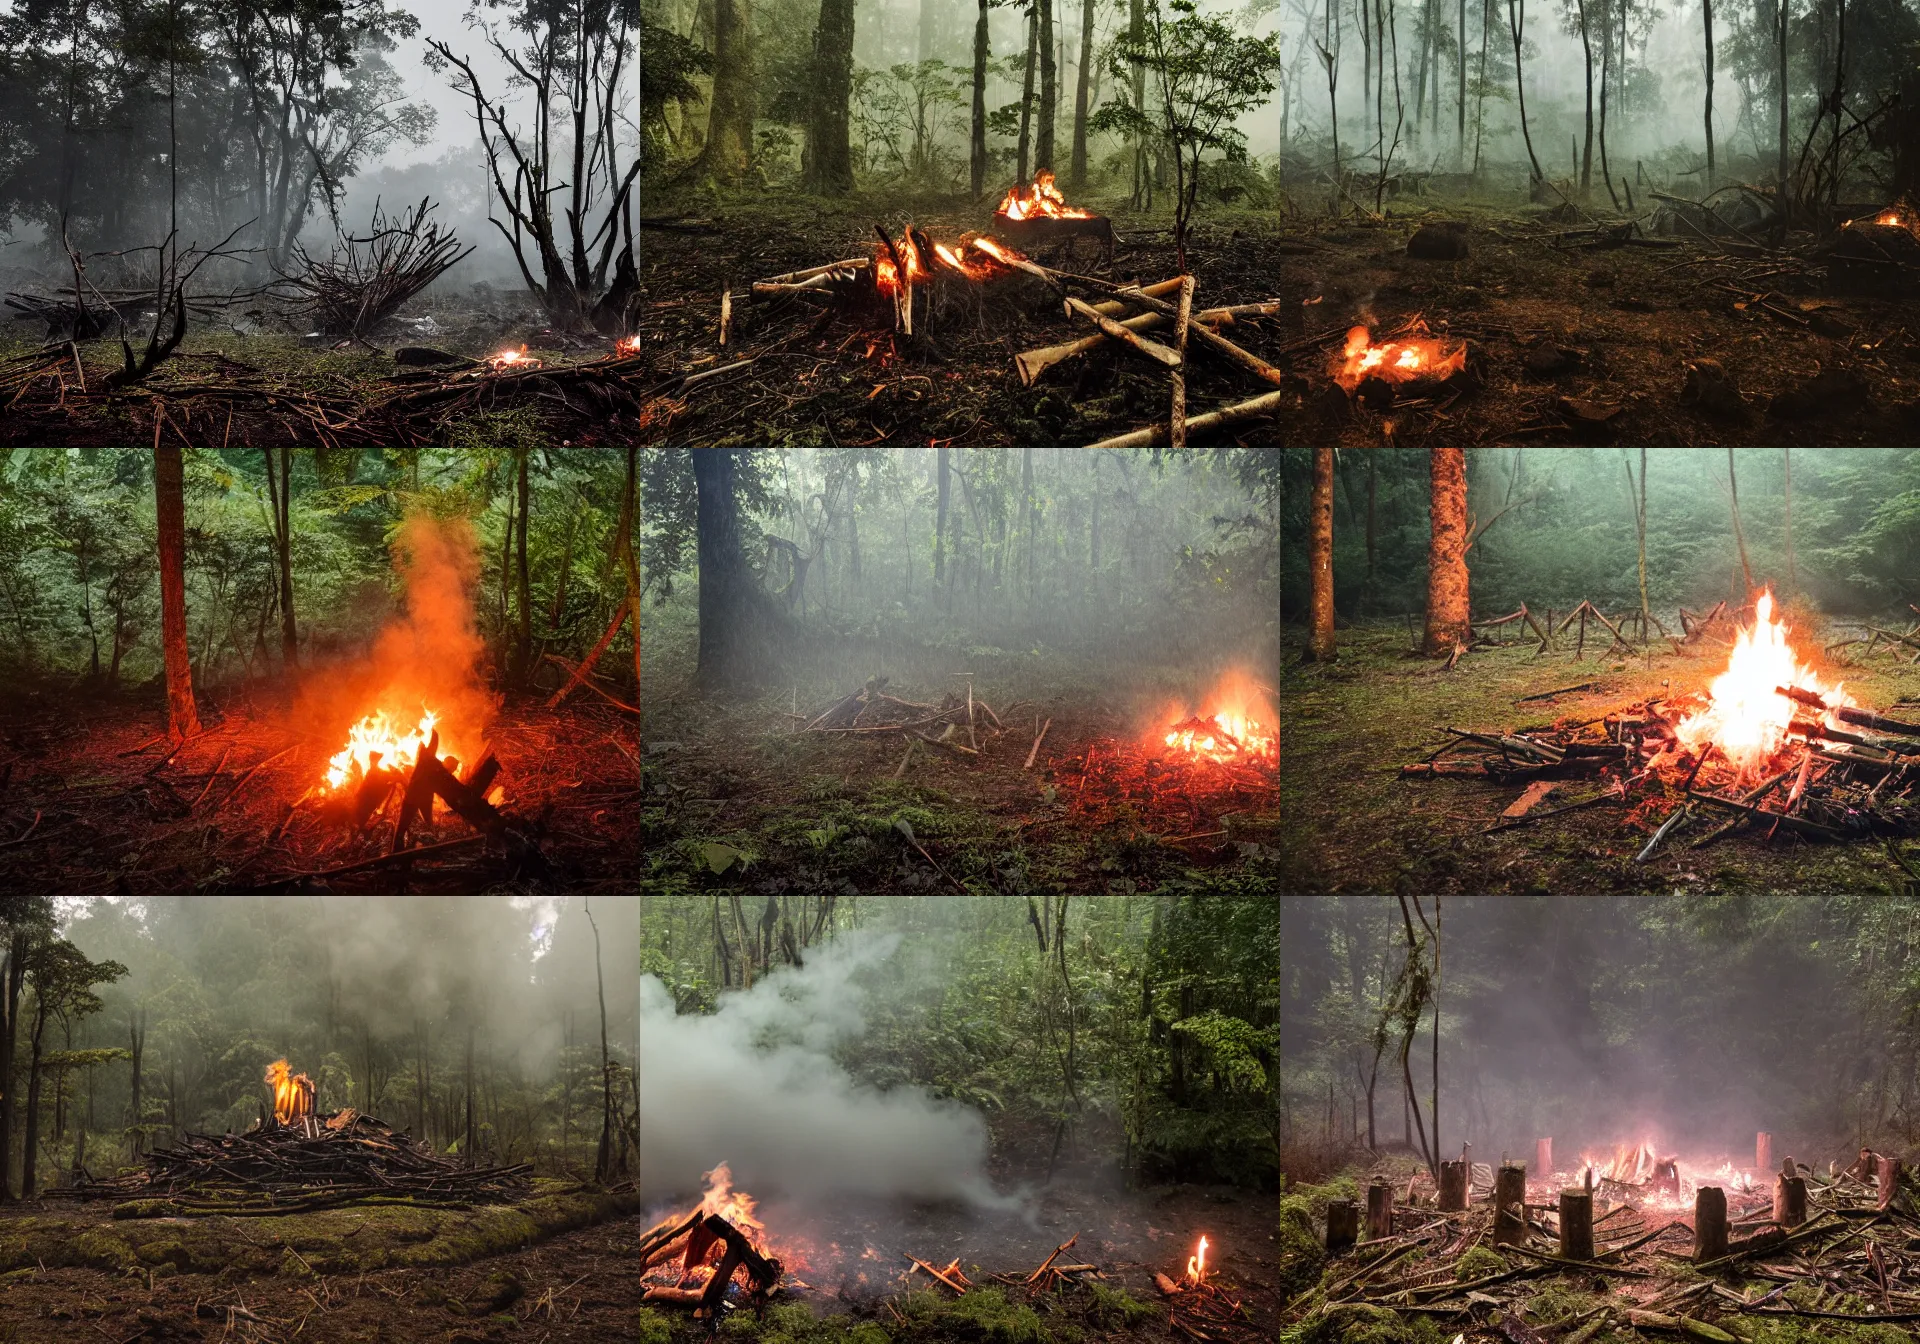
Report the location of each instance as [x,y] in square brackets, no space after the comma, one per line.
[757,1085]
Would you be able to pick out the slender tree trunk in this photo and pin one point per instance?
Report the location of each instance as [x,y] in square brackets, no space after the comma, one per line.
[467,1143]
[1516,24]
[1460,99]
[523,579]
[1026,92]
[735,619]
[1366,586]
[728,155]
[1740,537]
[1606,78]
[603,1162]
[1782,9]
[1448,613]
[1080,95]
[1706,19]
[280,500]
[829,153]
[13,974]
[1137,30]
[940,521]
[169,484]
[1320,639]
[1586,147]
[981,51]
[1049,92]
[1793,578]
[30,1155]
[137,1039]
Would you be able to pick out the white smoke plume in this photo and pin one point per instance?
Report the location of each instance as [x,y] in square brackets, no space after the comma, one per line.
[755,1085]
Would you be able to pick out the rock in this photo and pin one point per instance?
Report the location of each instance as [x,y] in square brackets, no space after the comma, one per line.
[420,356]
[1831,391]
[1548,360]
[1585,412]
[1711,390]
[1439,242]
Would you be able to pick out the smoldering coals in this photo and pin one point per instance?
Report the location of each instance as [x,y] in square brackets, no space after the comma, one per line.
[755,1085]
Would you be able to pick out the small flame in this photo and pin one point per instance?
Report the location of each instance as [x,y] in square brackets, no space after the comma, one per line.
[1197,1264]
[886,276]
[1396,361]
[514,359]
[627,345]
[1891,217]
[1746,716]
[1041,200]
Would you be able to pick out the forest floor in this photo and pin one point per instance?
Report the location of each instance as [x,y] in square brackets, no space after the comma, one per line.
[555,1268]
[90,802]
[1573,343]
[736,799]
[1353,824]
[224,388]
[843,377]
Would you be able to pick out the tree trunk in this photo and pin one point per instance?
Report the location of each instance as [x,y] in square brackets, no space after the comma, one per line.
[30,1154]
[1447,594]
[981,51]
[1460,96]
[467,1147]
[1606,78]
[735,620]
[280,500]
[137,1039]
[1049,92]
[1320,639]
[940,521]
[1706,18]
[1026,91]
[13,973]
[728,155]
[1793,578]
[1781,13]
[1343,1224]
[1586,147]
[1516,24]
[1366,585]
[829,153]
[603,1163]
[523,582]
[1379,1209]
[1509,1205]
[1080,95]
[169,486]
[1709,1224]
[1137,30]
[1026,512]
[1739,536]
[1576,1225]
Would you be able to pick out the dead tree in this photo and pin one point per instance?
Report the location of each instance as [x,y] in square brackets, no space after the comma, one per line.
[366,279]
[575,61]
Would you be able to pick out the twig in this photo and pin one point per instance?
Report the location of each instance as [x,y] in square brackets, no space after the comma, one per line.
[1034,750]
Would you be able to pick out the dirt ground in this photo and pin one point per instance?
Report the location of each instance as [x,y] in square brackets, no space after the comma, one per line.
[90,805]
[1572,339]
[576,1286]
[730,781]
[843,378]
[1353,824]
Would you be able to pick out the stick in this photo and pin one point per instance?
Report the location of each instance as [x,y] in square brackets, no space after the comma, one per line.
[1151,349]
[726,315]
[1673,819]
[588,683]
[1036,744]
[1246,359]
[212,777]
[902,768]
[27,835]
[936,1274]
[1177,416]
[1239,413]
[1032,363]
[795,277]
[1564,690]
[944,746]
[380,862]
[256,769]
[815,288]
[1035,1276]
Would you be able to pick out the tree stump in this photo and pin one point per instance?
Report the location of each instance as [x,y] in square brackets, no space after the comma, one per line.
[1789,1200]
[1379,1210]
[1509,1205]
[1709,1224]
[1453,1186]
[1889,1177]
[1763,1151]
[1576,1225]
[1343,1224]
[1543,1157]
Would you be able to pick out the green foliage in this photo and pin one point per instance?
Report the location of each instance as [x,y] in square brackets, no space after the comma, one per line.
[1478,1263]
[1232,1043]
[1115,1307]
[1302,1255]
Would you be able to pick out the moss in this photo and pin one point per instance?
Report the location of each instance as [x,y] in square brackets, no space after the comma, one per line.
[868,1333]
[1301,1255]
[293,1267]
[1478,1263]
[1361,1324]
[498,1290]
[651,1328]
[1317,1197]
[987,1314]
[167,1252]
[1776,1330]
[1115,1306]
[101,1251]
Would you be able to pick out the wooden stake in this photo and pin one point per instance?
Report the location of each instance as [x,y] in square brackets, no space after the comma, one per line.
[1257,409]
[1453,1186]
[1343,1224]
[1576,1225]
[1036,744]
[1889,1173]
[1509,1204]
[726,315]
[1177,417]
[1763,1141]
[1151,349]
[796,277]
[1789,1200]
[1709,1224]
[1246,359]
[1379,1210]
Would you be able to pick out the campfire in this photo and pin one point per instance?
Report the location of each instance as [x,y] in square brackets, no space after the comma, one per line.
[1236,731]
[1038,215]
[1404,359]
[514,360]
[723,1228]
[292,1093]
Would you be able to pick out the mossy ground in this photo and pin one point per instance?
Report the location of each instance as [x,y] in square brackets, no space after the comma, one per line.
[990,1314]
[1352,824]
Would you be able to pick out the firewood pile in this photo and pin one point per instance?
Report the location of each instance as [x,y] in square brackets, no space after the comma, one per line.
[1843,1247]
[1832,784]
[694,1239]
[366,279]
[956,723]
[311,1163]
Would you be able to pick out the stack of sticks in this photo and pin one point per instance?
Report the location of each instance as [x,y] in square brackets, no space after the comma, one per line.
[366,279]
[693,1238]
[869,710]
[275,1168]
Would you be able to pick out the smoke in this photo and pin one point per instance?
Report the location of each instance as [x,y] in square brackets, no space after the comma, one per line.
[756,1085]
[428,656]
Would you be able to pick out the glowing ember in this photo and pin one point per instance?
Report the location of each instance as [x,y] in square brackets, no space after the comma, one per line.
[1041,200]
[1639,1175]
[1746,717]
[1891,217]
[376,742]
[886,276]
[1397,361]
[627,345]
[1224,737]
[514,359]
[1197,1264]
[292,1092]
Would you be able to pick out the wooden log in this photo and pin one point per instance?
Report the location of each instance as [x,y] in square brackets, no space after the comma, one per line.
[1151,349]
[795,277]
[1576,1225]
[1343,1224]
[765,1271]
[1709,1224]
[1379,1209]
[1182,321]
[1257,409]
[1789,1200]
[1035,749]
[1763,1151]
[1032,363]
[1509,1200]
[814,288]
[1453,1186]
[1213,340]
[1888,1173]
[1543,1157]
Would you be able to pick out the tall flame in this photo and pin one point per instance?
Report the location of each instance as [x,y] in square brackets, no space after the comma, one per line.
[736,1206]
[1041,200]
[377,735]
[1746,716]
[1197,1264]
[292,1092]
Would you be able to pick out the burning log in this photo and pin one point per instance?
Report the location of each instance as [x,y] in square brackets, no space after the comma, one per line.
[1709,1224]
[1379,1209]
[1576,1224]
[1343,1225]
[1039,215]
[1509,1201]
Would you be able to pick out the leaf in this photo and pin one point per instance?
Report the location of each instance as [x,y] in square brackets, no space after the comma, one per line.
[719,857]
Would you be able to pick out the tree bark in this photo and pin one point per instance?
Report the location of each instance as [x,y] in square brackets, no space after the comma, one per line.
[1343,1224]
[1080,95]
[1509,1205]
[728,156]
[1026,90]
[1320,639]
[1517,24]
[981,50]
[1780,15]
[1049,92]
[169,486]
[29,1154]
[523,581]
[1586,147]
[13,974]
[1453,1187]
[1576,1225]
[735,621]
[137,1038]
[1447,585]
[1379,1210]
[603,1161]
[829,152]
[1706,18]
[280,499]
[940,520]
[1709,1224]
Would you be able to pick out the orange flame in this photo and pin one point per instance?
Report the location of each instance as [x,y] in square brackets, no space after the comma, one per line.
[1235,728]
[292,1094]
[736,1206]
[1397,361]
[627,345]
[1197,1264]
[1746,716]
[514,359]
[376,742]
[1041,200]
[886,276]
